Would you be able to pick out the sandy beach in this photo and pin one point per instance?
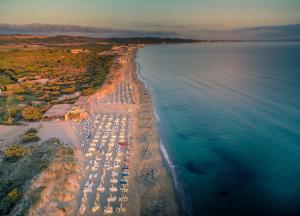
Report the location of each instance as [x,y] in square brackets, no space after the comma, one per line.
[154,187]
[150,187]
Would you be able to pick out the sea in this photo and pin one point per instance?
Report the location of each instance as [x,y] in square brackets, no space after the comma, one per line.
[229,122]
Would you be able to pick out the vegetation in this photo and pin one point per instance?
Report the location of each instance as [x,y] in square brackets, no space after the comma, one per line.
[18,171]
[43,75]
[31,113]
[31,135]
[14,153]
[9,195]
[32,130]
[5,80]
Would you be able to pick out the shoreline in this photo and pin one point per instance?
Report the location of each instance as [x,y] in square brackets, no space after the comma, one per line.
[169,179]
[185,207]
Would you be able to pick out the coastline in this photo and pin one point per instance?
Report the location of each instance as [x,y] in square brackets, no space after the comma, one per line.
[165,190]
[152,187]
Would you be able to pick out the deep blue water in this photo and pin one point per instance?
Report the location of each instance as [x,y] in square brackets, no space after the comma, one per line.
[229,116]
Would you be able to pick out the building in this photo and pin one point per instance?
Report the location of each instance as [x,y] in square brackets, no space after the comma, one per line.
[76,114]
[77,51]
[65,112]
[58,112]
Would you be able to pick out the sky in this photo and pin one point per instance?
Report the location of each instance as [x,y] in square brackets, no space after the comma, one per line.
[187,18]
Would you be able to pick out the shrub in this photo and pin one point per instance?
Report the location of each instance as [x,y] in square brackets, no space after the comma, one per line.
[13,195]
[20,97]
[8,202]
[4,80]
[43,97]
[55,93]
[43,107]
[16,88]
[30,137]
[31,130]
[31,113]
[88,91]
[68,90]
[14,152]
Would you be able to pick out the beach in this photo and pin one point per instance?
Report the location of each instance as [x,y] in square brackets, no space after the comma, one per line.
[154,187]
[148,188]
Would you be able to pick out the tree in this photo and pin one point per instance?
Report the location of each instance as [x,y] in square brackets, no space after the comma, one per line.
[31,113]
[9,100]
[14,152]
[30,137]
[4,80]
[68,90]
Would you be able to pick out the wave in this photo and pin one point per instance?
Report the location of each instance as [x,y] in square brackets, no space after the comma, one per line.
[139,75]
[183,197]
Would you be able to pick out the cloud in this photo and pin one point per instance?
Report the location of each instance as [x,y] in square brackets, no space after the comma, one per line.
[48,29]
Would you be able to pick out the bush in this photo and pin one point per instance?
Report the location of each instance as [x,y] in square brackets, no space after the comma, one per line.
[43,97]
[30,137]
[31,130]
[68,90]
[20,97]
[16,88]
[8,202]
[55,93]
[88,91]
[13,195]
[14,153]
[31,113]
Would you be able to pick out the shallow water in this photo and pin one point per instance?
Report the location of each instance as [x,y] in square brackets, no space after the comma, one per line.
[230,120]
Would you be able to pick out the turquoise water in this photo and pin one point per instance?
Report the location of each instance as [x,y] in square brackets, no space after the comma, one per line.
[229,116]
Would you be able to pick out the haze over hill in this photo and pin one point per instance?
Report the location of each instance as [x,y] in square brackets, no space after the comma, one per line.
[192,19]
[280,32]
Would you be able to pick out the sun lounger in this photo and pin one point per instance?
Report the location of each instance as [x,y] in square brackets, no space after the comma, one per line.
[113,189]
[95,208]
[123,199]
[124,189]
[108,210]
[111,198]
[114,174]
[82,208]
[87,190]
[101,189]
[91,149]
[88,154]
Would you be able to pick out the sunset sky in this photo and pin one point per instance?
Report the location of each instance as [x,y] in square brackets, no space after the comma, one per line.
[190,18]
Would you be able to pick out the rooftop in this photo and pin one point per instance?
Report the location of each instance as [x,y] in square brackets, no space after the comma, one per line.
[58,110]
